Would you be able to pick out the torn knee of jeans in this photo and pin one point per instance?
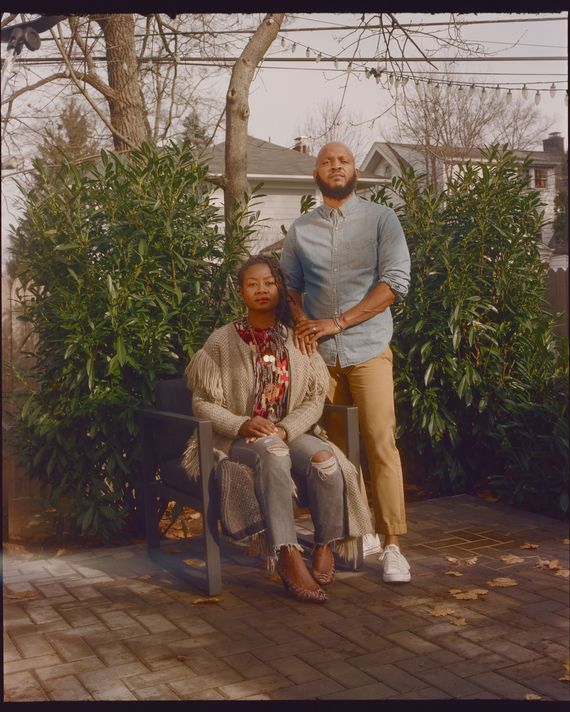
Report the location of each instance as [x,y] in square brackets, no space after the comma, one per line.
[325,467]
[277,448]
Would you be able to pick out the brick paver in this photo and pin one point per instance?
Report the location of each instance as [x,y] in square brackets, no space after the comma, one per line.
[108,624]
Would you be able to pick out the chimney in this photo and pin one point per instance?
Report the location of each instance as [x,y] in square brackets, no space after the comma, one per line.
[301,144]
[554,143]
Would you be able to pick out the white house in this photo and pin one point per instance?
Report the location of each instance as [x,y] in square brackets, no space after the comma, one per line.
[286,174]
[383,161]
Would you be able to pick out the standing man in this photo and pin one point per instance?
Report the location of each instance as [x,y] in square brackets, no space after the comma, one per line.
[346,262]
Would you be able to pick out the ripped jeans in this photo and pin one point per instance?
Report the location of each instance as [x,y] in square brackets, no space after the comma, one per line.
[320,486]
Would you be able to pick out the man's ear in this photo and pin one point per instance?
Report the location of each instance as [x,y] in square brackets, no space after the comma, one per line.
[315,175]
[357,172]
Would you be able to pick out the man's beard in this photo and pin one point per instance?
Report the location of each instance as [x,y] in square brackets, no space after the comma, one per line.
[339,193]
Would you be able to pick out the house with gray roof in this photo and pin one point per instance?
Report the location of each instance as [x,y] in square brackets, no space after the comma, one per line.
[286,174]
[383,160]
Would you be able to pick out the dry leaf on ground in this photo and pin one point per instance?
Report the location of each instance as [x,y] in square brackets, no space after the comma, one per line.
[554,564]
[197,563]
[566,676]
[61,552]
[528,545]
[21,595]
[532,696]
[564,573]
[542,563]
[457,621]
[502,582]
[512,559]
[273,577]
[565,541]
[453,573]
[210,599]
[439,612]
[452,559]
[144,577]
[470,595]
[472,561]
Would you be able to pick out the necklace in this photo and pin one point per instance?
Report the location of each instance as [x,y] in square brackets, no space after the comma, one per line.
[268,373]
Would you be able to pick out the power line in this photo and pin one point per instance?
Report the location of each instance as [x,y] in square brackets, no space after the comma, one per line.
[231,60]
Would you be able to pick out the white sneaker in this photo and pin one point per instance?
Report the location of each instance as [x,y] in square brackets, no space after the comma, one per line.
[371,544]
[396,568]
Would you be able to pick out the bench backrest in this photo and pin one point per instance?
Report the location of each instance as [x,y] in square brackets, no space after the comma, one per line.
[174,396]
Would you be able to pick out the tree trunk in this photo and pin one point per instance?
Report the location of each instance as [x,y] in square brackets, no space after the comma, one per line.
[126,107]
[237,112]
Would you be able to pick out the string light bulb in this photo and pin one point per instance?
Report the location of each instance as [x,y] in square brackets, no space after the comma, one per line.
[524,92]
[460,89]
[397,82]
[483,92]
[390,79]
[472,89]
[436,88]
[319,57]
[335,63]
[537,98]
[509,96]
[349,68]
[378,73]
[497,90]
[366,72]
[283,42]
[293,47]
[553,90]
[308,53]
[405,80]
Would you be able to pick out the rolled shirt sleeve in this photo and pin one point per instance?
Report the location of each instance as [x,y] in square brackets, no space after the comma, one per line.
[393,255]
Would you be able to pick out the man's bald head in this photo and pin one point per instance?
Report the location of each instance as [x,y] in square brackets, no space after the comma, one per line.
[335,147]
[335,172]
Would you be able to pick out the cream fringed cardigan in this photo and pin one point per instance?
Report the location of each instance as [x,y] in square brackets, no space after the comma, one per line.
[221,377]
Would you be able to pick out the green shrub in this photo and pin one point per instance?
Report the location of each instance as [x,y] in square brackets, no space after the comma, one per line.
[481,376]
[124,273]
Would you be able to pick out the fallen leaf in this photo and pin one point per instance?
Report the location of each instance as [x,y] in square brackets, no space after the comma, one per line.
[144,577]
[541,563]
[488,496]
[195,515]
[564,573]
[197,563]
[532,696]
[457,621]
[566,666]
[453,573]
[439,612]
[61,552]
[210,599]
[472,561]
[502,582]
[528,545]
[273,577]
[471,595]
[512,559]
[452,559]
[566,541]
[554,564]
[20,595]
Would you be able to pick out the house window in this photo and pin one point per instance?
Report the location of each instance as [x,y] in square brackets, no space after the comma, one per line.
[540,178]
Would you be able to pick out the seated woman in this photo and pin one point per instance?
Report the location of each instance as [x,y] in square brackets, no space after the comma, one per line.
[264,397]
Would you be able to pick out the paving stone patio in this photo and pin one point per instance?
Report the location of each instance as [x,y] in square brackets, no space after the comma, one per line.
[109,624]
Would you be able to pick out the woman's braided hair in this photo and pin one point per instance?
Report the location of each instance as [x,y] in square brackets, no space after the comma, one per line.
[283,310]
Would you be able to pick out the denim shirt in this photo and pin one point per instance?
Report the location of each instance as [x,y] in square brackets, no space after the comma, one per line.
[334,257]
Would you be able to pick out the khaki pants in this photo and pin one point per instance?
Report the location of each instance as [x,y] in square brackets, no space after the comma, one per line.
[370,386]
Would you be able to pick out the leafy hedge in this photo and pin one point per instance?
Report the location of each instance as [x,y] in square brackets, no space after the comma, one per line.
[124,273]
[482,377]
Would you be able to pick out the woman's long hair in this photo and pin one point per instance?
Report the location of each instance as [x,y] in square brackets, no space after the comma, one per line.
[283,310]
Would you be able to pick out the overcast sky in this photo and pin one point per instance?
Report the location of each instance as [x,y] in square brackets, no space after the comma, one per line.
[284,95]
